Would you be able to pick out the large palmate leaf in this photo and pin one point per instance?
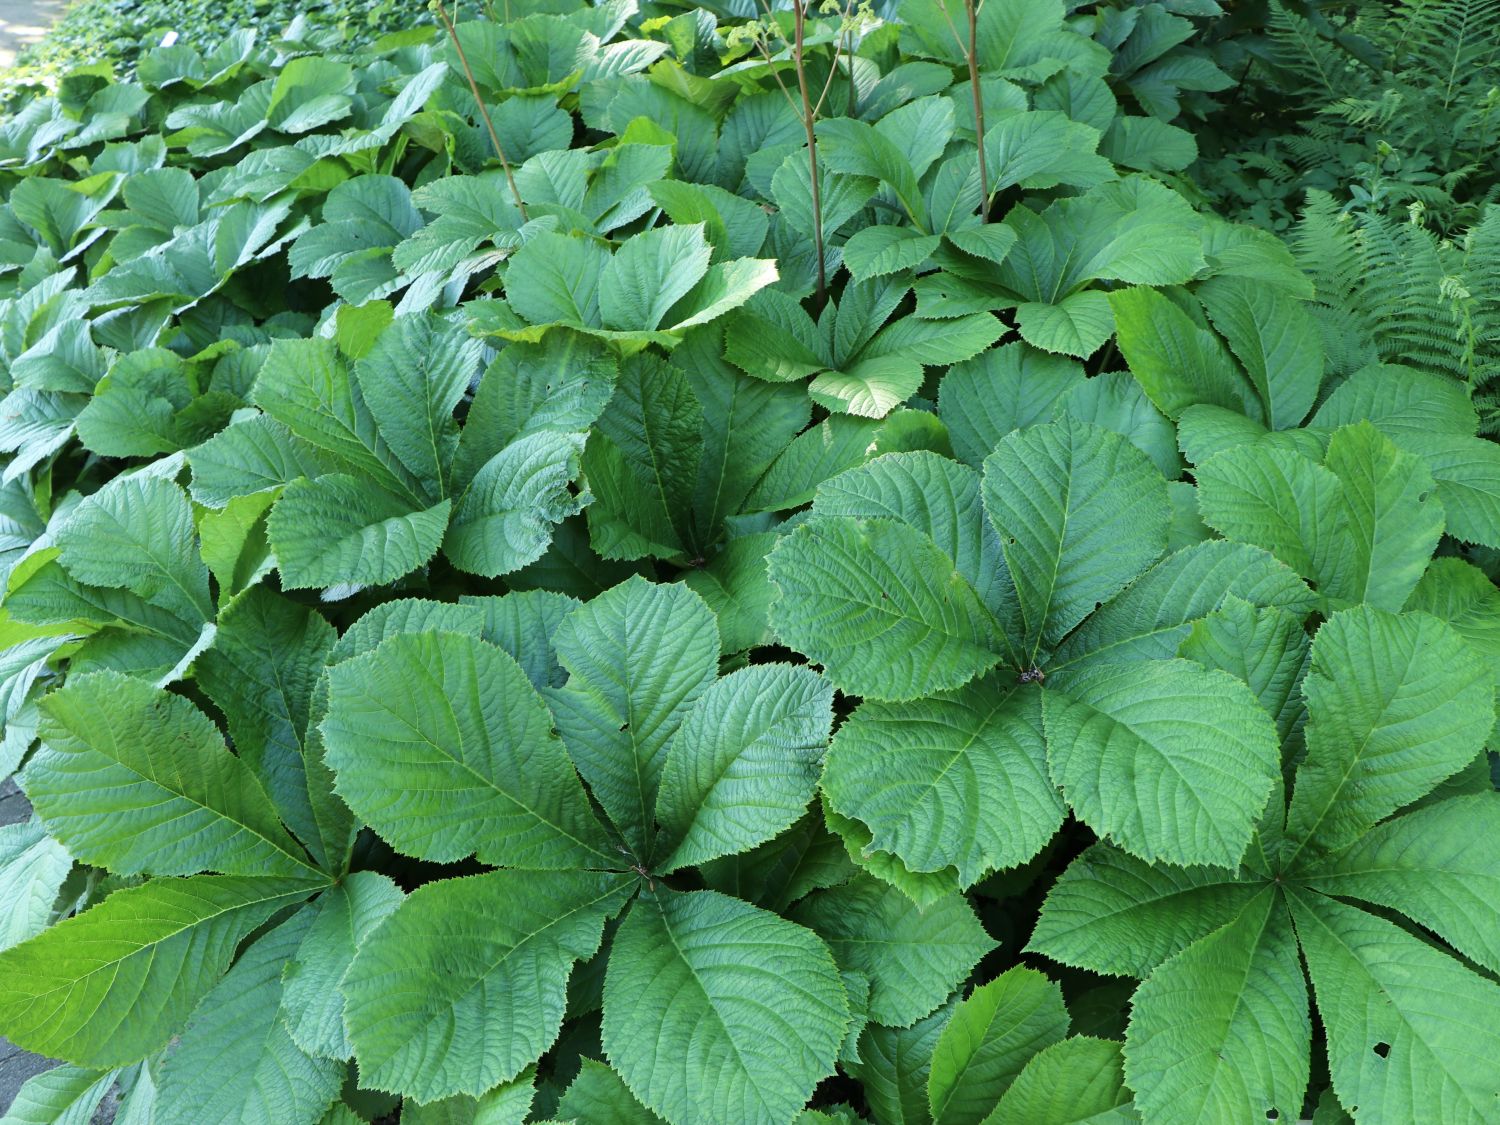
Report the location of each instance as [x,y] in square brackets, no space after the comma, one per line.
[236,1061]
[1396,704]
[958,779]
[465,984]
[881,606]
[76,991]
[987,1041]
[261,671]
[743,765]
[717,1010]
[1275,339]
[638,658]
[1069,1083]
[1221,1031]
[1435,866]
[443,746]
[894,1064]
[935,496]
[914,957]
[1113,913]
[32,868]
[341,919]
[1080,512]
[1169,759]
[1410,1030]
[138,780]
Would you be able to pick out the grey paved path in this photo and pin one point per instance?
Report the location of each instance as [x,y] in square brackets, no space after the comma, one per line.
[23,22]
[16,1065]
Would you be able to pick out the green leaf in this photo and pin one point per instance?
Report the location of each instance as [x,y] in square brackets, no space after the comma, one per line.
[233,542]
[954,780]
[523,623]
[870,387]
[839,442]
[935,496]
[638,659]
[1151,617]
[261,670]
[744,764]
[1004,389]
[1274,338]
[1410,1031]
[1467,471]
[1041,149]
[1077,325]
[1115,401]
[649,274]
[880,250]
[1432,864]
[735,586]
[337,529]
[138,780]
[252,456]
[894,1065]
[913,957]
[1396,704]
[1277,499]
[1080,512]
[305,385]
[489,954]
[555,278]
[714,1008]
[1112,913]
[32,868]
[1177,363]
[1266,648]
[1077,1081]
[507,1104]
[78,991]
[881,607]
[1390,518]
[1402,401]
[441,744]
[236,1060]
[63,1095]
[343,917]
[1221,1031]
[137,532]
[642,463]
[310,91]
[779,872]
[508,514]
[1169,759]
[923,888]
[412,379]
[990,1037]
[599,1096]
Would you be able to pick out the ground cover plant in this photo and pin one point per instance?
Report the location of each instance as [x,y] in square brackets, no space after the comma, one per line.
[618,563]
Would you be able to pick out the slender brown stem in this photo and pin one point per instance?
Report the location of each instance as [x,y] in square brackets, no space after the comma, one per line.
[972,53]
[853,109]
[809,120]
[484,113]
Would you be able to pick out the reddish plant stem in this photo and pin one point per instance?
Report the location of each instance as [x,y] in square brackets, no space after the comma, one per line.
[972,54]
[799,20]
[484,113]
